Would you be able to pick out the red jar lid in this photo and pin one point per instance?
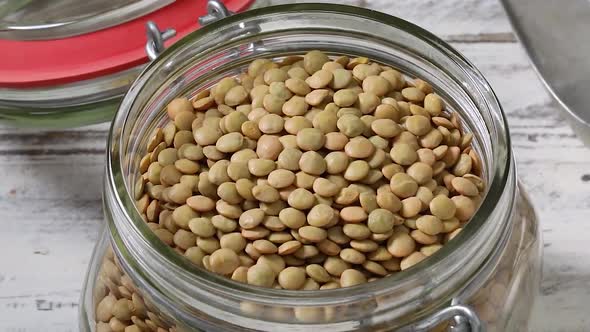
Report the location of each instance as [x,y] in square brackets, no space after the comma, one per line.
[41,63]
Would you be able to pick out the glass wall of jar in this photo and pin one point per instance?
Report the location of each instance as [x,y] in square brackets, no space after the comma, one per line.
[492,265]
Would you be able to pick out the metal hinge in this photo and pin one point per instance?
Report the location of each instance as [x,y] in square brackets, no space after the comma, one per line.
[464,319]
[216,10]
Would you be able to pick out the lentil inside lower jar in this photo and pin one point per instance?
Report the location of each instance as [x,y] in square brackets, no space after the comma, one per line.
[502,301]
[303,173]
[315,161]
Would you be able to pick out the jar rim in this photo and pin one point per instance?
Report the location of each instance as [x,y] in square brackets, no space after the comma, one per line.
[500,171]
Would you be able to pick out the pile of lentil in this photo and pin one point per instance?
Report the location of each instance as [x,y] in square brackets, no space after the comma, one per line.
[309,173]
[119,307]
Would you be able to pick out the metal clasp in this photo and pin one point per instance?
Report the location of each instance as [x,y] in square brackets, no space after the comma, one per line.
[216,10]
[156,39]
[464,319]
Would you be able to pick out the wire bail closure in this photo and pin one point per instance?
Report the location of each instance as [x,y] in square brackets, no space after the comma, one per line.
[464,319]
[216,10]
[156,39]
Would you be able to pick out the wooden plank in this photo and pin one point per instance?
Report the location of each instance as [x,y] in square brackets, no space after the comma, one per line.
[42,143]
[452,19]
[51,214]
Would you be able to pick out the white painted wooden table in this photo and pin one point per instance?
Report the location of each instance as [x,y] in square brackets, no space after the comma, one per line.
[50,184]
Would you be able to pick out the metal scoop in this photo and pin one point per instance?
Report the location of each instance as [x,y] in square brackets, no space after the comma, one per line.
[556,35]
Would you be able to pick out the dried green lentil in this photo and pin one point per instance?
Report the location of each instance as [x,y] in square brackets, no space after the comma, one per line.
[290,192]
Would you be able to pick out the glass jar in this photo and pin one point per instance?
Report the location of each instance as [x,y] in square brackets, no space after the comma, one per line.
[486,277]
